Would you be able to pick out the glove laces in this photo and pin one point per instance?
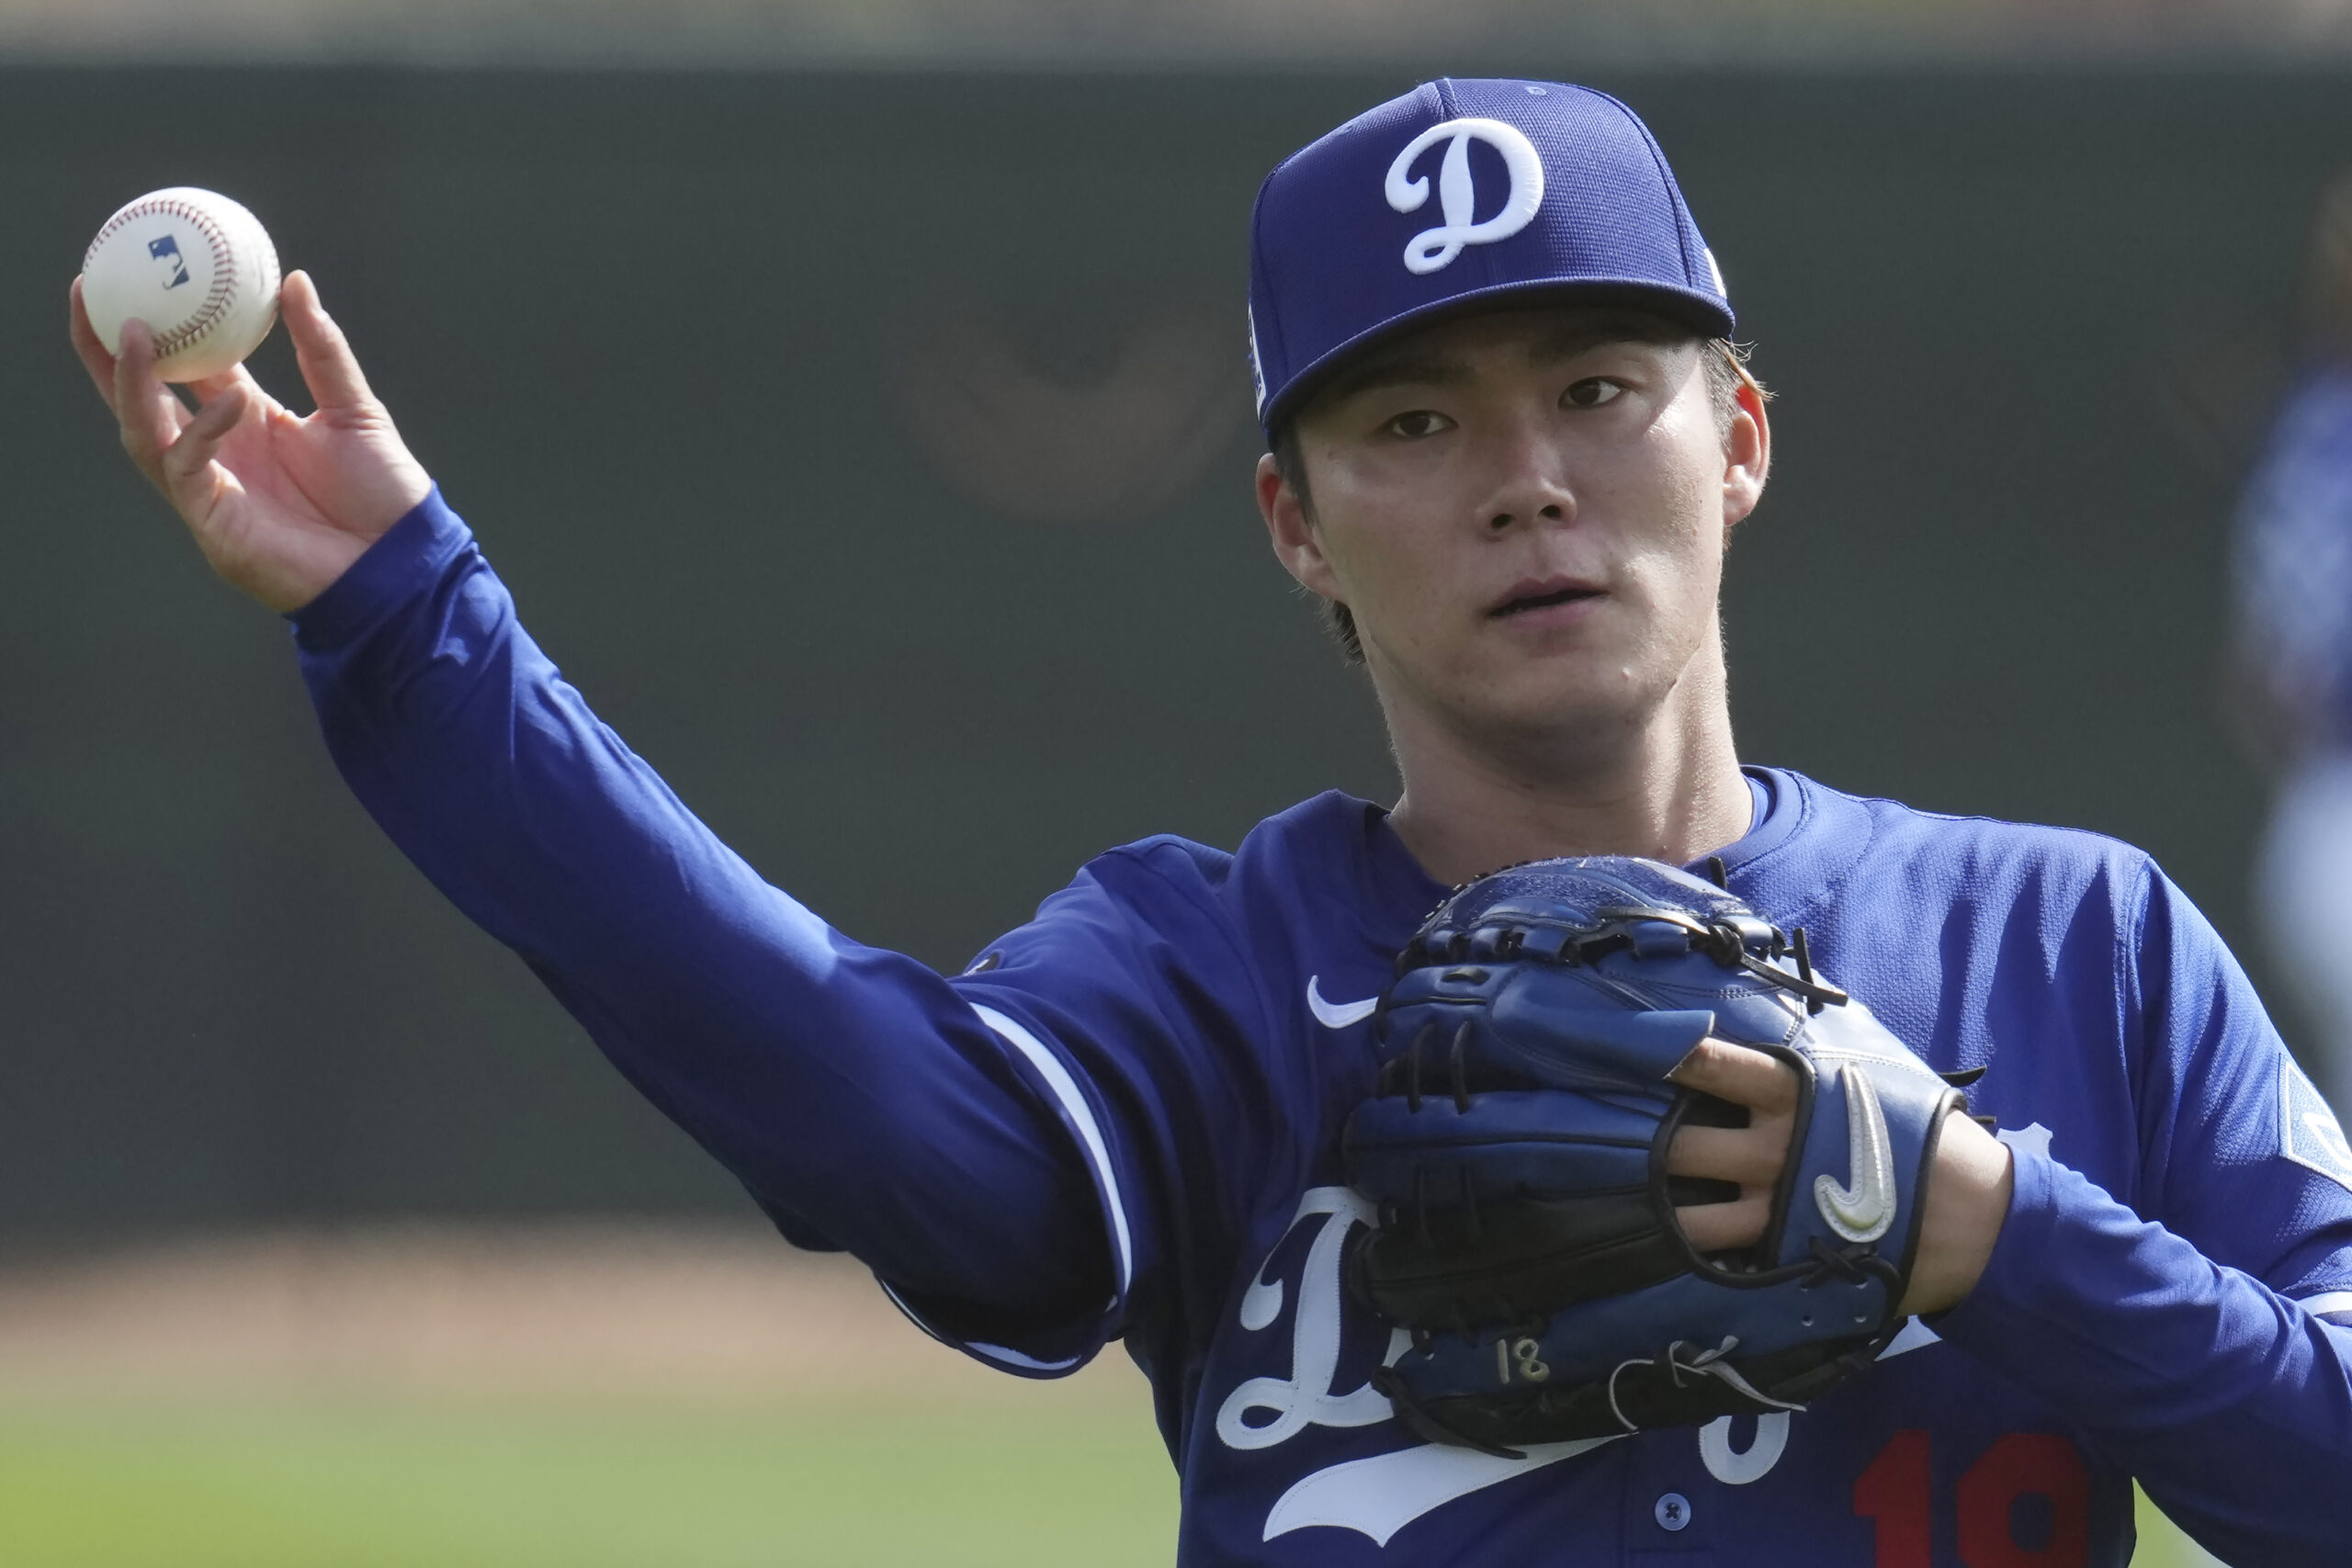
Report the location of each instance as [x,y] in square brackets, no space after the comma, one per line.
[1706,1363]
[1853,1265]
[1730,942]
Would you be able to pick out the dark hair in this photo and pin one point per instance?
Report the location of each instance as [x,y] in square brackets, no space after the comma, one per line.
[1726,365]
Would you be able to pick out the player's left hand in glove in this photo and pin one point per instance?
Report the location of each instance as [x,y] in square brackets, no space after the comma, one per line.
[1517,1151]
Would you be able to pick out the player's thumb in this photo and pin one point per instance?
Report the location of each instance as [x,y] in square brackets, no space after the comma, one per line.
[319,348]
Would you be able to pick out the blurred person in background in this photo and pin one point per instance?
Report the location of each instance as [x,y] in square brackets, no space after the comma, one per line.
[2292,654]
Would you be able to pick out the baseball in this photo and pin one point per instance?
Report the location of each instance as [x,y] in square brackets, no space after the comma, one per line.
[196,267]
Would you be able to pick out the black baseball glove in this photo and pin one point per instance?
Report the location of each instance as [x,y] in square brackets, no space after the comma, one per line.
[1516,1150]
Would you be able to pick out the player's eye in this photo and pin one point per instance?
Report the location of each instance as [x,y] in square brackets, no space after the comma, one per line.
[1417,423]
[1591,392]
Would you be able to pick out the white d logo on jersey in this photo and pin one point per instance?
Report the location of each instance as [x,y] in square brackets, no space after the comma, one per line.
[1458,192]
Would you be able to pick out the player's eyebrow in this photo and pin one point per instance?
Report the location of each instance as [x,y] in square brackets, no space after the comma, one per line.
[1565,340]
[1419,366]
[1406,370]
[1571,338]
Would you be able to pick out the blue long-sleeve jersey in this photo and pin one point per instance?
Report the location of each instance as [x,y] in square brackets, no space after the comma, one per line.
[1122,1120]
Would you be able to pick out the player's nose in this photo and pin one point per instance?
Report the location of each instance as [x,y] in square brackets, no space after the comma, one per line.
[1528,482]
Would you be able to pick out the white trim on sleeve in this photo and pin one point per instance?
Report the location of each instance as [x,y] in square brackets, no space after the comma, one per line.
[1015,1359]
[2328,1304]
[993,1352]
[1081,1116]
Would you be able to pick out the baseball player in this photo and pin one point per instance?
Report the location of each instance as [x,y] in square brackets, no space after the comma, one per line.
[1508,442]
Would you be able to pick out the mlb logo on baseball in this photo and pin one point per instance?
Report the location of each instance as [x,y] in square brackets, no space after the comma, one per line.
[167,251]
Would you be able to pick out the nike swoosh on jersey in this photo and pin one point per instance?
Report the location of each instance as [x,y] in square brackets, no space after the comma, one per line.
[1336,1015]
[1864,1210]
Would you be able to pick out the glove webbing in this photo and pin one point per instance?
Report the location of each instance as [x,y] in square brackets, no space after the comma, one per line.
[1728,942]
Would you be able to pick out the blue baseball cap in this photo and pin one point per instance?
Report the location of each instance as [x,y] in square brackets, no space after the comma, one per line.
[1462,191]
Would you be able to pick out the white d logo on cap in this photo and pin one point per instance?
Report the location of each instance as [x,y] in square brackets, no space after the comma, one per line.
[1458,193]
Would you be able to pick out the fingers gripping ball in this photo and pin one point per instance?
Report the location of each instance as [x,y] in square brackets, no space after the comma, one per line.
[1516,1151]
[196,267]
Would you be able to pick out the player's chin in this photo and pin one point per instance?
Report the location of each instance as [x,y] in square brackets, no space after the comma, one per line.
[1572,644]
[1584,689]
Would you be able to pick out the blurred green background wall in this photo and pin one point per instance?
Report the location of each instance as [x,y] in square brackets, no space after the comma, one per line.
[874,449]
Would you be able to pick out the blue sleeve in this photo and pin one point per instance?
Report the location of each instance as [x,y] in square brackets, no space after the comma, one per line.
[2196,1339]
[860,1099]
[1135,978]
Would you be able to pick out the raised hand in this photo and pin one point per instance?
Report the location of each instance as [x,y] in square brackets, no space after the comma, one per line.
[281,504]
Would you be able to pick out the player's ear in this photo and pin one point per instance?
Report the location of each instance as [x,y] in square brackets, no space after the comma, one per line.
[1290,527]
[1747,453]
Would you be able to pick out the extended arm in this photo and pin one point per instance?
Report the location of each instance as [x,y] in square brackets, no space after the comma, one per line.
[861,1100]
[853,1091]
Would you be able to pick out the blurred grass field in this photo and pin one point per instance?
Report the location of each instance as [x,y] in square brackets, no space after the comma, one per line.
[413,1485]
[611,1404]
[584,1397]
[376,1484]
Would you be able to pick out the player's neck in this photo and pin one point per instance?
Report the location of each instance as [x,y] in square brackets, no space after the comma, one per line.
[1671,791]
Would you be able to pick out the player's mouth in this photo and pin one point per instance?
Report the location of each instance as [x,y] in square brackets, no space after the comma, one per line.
[1533,595]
